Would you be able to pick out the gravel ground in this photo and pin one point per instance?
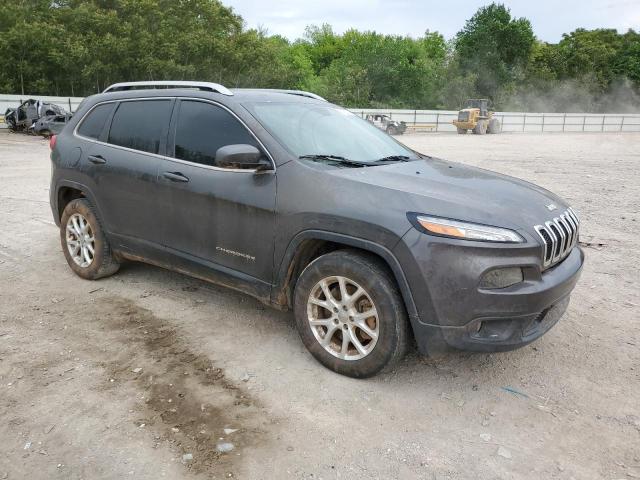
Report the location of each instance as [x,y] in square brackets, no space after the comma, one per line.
[138,375]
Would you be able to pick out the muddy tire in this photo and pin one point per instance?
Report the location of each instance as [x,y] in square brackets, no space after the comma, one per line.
[481,127]
[350,314]
[83,242]
[494,126]
[462,131]
[391,130]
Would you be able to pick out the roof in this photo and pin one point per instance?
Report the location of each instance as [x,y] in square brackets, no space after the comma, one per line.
[151,88]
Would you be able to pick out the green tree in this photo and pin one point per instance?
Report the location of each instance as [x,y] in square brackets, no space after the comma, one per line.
[495,47]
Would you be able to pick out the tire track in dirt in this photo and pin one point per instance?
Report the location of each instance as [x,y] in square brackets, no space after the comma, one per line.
[187,400]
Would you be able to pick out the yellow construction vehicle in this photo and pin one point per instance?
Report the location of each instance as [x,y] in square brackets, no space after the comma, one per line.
[477,117]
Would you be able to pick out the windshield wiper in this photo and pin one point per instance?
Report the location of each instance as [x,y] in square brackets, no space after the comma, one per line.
[394,158]
[334,158]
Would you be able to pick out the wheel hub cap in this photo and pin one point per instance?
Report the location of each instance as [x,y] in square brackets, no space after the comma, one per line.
[80,240]
[343,318]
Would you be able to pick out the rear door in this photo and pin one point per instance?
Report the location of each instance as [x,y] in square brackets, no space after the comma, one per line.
[124,165]
[211,214]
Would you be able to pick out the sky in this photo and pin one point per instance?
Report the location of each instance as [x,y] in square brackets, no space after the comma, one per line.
[550,18]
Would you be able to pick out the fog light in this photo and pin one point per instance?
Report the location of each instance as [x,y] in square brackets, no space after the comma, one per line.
[501,278]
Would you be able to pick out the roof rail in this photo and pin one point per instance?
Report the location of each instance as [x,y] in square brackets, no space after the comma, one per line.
[300,93]
[206,86]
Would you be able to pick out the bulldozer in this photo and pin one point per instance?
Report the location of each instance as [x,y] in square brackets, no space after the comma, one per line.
[478,117]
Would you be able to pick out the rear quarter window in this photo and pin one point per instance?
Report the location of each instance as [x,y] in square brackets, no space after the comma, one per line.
[93,123]
[140,125]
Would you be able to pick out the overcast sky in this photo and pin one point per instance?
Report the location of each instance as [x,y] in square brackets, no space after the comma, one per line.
[550,18]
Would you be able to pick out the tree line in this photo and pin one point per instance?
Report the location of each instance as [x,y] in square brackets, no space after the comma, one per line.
[78,47]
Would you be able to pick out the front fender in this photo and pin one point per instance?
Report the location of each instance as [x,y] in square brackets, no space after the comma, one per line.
[285,270]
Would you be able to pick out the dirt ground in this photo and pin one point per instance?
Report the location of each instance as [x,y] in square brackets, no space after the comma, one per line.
[139,375]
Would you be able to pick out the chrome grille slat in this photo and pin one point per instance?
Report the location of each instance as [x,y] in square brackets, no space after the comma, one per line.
[572,226]
[558,236]
[566,231]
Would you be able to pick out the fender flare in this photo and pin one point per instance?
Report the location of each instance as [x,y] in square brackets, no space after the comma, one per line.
[86,191]
[387,256]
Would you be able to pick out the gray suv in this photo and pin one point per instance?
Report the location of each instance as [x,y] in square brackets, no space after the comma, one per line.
[309,208]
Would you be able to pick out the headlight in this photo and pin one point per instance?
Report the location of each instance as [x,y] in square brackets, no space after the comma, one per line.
[468,231]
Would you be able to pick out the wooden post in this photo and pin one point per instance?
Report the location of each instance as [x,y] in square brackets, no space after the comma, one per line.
[602,125]
[622,123]
[524,121]
[584,120]
[70,106]
[437,120]
[543,123]
[564,121]
[415,117]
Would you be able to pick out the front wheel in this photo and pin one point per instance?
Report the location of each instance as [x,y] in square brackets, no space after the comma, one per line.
[480,128]
[350,315]
[462,131]
[494,126]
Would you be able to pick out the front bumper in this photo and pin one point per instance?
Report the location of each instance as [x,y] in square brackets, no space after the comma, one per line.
[453,312]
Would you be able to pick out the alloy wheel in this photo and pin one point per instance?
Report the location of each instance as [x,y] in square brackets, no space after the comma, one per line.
[343,318]
[80,240]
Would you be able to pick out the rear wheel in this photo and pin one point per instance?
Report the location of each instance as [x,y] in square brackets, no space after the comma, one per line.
[462,131]
[83,242]
[391,130]
[350,315]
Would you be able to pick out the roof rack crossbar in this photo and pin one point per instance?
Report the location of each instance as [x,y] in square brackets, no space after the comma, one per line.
[205,86]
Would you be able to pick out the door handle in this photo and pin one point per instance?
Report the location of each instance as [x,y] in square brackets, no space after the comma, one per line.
[175,176]
[97,159]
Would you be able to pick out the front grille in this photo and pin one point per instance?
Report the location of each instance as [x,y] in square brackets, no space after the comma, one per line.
[463,116]
[559,236]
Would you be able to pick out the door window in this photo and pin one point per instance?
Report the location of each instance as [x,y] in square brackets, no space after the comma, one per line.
[140,125]
[203,128]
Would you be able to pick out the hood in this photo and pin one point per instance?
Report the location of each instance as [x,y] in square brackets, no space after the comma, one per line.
[452,190]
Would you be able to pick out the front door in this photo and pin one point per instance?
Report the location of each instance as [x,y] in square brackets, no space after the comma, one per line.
[219,217]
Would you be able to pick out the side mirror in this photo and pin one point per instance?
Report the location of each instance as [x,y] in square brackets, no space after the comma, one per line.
[241,156]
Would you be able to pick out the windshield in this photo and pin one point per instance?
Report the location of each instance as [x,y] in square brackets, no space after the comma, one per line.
[311,129]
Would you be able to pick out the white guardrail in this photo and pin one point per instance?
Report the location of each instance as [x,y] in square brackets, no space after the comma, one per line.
[441,120]
[436,120]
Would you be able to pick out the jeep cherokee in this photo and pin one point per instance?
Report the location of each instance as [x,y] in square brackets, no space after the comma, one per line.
[307,207]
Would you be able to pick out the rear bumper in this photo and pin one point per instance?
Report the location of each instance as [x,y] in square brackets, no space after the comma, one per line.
[454,313]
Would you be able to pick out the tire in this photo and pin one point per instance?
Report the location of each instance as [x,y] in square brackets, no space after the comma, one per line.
[462,131]
[388,323]
[494,126]
[44,133]
[481,127]
[391,130]
[102,262]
